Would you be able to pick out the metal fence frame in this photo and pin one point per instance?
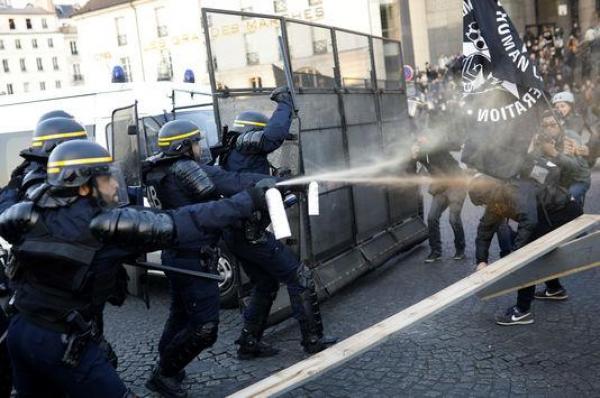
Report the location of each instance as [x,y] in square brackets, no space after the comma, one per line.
[338,90]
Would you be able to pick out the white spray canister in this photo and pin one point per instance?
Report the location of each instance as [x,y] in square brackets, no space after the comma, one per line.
[313,199]
[279,220]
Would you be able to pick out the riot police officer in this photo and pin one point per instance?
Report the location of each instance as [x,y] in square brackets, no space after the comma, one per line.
[68,244]
[51,130]
[265,260]
[180,176]
[5,370]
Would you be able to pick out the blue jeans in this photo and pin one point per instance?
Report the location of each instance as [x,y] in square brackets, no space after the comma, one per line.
[578,191]
[506,237]
[36,355]
[452,199]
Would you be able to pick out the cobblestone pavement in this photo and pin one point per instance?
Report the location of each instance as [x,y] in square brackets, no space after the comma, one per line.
[460,352]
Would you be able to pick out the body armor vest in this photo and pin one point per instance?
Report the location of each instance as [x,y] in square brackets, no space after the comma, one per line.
[57,277]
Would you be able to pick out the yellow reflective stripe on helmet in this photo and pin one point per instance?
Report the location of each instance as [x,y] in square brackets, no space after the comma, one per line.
[75,162]
[177,137]
[60,135]
[53,170]
[245,122]
[36,144]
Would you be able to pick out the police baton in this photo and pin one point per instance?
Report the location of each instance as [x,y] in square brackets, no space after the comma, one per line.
[197,274]
[288,74]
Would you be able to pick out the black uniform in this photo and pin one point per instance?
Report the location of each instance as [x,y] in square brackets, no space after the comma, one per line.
[265,260]
[180,181]
[68,253]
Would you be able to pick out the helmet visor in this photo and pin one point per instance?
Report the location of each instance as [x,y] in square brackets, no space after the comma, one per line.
[201,150]
[111,188]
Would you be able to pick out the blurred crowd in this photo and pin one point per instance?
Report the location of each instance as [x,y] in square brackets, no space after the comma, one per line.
[567,62]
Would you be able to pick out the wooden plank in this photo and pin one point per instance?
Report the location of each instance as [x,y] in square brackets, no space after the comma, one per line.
[305,370]
[576,256]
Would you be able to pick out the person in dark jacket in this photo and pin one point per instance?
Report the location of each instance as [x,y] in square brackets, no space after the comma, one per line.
[265,260]
[538,208]
[560,146]
[448,191]
[69,243]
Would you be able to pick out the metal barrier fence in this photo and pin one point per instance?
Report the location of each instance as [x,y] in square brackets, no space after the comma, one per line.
[352,99]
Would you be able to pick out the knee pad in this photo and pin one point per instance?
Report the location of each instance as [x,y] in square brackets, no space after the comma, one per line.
[206,335]
[186,345]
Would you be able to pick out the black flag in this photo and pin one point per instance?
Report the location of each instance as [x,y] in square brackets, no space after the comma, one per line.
[501,89]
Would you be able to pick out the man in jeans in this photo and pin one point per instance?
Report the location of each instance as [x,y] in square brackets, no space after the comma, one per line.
[448,191]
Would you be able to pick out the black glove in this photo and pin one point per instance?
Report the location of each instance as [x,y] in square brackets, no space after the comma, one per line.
[119,294]
[134,228]
[17,220]
[281,94]
[16,177]
[257,195]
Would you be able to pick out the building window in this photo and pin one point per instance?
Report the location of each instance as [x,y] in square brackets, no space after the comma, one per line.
[121,36]
[26,87]
[17,44]
[43,86]
[161,22]
[315,2]
[77,73]
[1,44]
[28,23]
[73,45]
[251,51]
[5,65]
[23,66]
[127,69]
[320,46]
[256,82]
[9,89]
[55,63]
[165,66]
[44,23]
[252,58]
[50,43]
[58,84]
[11,24]
[40,65]
[280,5]
[34,43]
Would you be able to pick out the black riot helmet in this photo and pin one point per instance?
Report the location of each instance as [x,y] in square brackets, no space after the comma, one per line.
[182,137]
[51,132]
[53,114]
[249,121]
[79,162]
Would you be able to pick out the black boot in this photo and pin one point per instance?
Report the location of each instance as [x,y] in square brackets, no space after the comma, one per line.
[251,347]
[250,344]
[183,348]
[311,324]
[166,386]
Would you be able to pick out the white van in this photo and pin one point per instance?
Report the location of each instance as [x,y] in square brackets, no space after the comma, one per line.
[93,108]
